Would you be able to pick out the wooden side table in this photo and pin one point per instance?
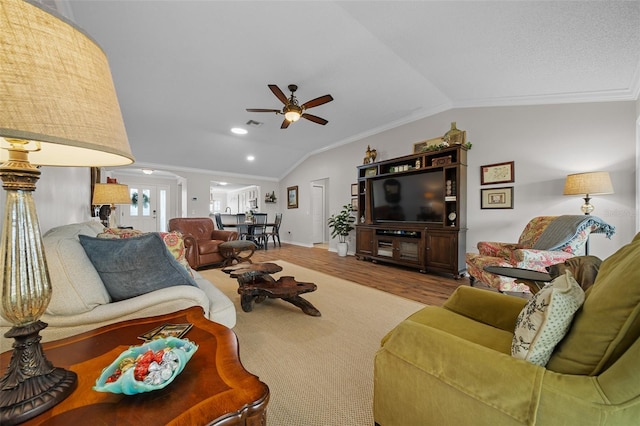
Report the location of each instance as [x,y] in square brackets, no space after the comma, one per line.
[213,389]
[535,280]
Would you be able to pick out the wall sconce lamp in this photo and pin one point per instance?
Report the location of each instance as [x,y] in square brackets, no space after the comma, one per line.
[58,107]
[107,195]
[586,184]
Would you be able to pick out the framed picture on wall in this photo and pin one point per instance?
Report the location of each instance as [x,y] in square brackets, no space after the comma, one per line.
[354,204]
[497,173]
[292,197]
[497,198]
[371,171]
[354,189]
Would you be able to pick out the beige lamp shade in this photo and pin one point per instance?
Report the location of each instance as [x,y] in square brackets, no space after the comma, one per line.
[591,183]
[110,193]
[57,92]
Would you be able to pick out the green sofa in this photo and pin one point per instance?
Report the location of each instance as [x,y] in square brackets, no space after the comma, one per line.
[452,365]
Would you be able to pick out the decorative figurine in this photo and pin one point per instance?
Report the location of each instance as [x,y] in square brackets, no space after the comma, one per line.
[370,155]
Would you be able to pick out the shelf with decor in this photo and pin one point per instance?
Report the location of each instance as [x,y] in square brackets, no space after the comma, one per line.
[270,198]
[412,210]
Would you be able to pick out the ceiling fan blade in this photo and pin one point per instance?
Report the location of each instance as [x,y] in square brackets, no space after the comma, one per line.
[276,91]
[315,119]
[277,111]
[285,124]
[317,101]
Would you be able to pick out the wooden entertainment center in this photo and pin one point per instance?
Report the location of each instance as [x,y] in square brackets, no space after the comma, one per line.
[434,239]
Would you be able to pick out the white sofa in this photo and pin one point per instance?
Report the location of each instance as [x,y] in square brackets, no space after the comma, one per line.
[80,301]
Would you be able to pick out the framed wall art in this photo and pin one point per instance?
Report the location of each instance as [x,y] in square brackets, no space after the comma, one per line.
[354,189]
[497,173]
[292,197]
[371,171]
[354,204]
[497,198]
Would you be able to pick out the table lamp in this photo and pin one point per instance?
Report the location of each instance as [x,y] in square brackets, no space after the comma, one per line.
[586,184]
[58,107]
[108,195]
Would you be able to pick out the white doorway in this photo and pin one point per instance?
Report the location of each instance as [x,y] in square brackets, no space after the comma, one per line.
[318,191]
[148,210]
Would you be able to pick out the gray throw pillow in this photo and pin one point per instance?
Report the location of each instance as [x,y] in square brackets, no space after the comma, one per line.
[133,266]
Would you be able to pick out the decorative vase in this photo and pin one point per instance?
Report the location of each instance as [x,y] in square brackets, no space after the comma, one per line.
[342,249]
[454,135]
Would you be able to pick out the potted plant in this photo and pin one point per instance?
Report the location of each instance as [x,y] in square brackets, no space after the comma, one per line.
[340,225]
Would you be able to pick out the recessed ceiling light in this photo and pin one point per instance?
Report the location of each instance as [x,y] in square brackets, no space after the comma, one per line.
[147,171]
[222,183]
[239,131]
[250,158]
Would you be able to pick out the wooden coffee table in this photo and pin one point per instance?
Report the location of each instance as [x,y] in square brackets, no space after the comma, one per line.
[255,283]
[213,389]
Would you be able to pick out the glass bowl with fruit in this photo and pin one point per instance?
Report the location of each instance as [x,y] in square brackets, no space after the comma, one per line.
[147,367]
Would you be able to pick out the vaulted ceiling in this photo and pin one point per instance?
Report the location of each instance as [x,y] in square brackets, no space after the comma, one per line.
[185,71]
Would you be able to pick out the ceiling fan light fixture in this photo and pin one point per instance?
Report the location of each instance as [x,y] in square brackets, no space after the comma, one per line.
[292,110]
[292,113]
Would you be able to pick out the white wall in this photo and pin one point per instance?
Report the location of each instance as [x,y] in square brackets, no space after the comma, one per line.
[546,143]
[198,189]
[198,184]
[62,196]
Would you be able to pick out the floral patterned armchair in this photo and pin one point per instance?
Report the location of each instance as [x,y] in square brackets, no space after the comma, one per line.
[539,246]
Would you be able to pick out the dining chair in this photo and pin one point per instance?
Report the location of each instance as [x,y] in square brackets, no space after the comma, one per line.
[242,227]
[275,230]
[218,220]
[259,234]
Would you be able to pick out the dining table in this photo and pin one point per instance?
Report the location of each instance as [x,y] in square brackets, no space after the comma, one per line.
[251,226]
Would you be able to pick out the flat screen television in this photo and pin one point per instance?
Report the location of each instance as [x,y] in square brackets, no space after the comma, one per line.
[417,197]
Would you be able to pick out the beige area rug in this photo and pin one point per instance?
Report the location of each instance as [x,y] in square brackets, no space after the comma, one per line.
[319,369]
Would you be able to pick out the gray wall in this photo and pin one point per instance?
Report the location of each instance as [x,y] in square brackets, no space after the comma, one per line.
[546,143]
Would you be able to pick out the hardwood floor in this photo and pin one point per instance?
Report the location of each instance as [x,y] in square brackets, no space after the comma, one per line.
[431,289]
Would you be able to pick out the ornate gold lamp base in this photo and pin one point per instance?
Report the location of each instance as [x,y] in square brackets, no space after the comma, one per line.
[62,124]
[31,384]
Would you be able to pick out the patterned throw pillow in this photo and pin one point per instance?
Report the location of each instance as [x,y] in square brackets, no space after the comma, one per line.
[173,240]
[545,319]
[115,233]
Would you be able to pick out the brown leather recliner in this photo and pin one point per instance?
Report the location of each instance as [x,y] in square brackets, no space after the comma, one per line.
[201,239]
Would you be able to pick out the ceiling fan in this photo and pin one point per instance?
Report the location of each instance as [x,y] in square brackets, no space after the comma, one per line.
[292,111]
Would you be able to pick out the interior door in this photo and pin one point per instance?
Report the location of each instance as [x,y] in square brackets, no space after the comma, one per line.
[317,216]
[148,210]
